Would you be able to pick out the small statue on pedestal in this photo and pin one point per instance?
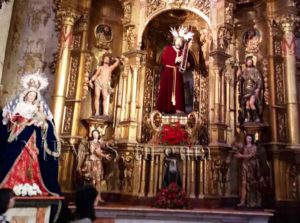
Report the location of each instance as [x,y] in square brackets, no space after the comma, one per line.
[250,95]
[90,160]
[172,174]
[100,82]
[251,177]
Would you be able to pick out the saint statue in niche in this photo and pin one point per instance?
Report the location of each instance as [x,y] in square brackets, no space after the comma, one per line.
[251,100]
[101,83]
[171,94]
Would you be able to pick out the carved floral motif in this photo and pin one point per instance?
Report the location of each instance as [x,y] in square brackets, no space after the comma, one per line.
[154,5]
[73,77]
[282,131]
[130,37]
[127,11]
[279,83]
[202,5]
[68,116]
[292,182]
[225,34]
[87,71]
[265,81]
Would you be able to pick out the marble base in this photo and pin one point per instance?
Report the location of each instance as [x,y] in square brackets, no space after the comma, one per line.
[153,215]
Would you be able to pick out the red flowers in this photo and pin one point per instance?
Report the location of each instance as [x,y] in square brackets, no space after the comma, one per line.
[174,135]
[172,197]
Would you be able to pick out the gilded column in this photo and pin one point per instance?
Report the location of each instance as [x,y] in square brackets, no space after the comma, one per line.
[124,93]
[68,17]
[288,23]
[228,80]
[160,173]
[217,95]
[128,95]
[193,177]
[83,29]
[133,100]
[272,85]
[151,181]
[143,180]
[222,102]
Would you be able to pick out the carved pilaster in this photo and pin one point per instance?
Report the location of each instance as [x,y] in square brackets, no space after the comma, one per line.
[128,112]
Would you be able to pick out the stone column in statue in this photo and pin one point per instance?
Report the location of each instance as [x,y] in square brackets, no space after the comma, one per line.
[288,23]
[100,82]
[68,16]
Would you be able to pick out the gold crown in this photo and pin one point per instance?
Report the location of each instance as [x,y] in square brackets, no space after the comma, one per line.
[35,81]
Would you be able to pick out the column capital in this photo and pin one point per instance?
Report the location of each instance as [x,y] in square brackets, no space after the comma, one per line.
[68,15]
[288,22]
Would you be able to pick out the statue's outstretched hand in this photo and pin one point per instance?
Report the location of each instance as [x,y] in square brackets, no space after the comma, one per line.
[108,157]
[91,84]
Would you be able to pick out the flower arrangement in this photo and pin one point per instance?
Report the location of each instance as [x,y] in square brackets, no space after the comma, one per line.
[174,135]
[172,197]
[27,190]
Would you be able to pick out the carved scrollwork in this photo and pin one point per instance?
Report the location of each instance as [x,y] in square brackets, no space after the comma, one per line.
[126,168]
[229,13]
[147,104]
[154,5]
[73,77]
[279,84]
[292,182]
[130,36]
[266,83]
[77,42]
[277,48]
[127,11]
[282,131]
[87,71]
[202,5]
[219,167]
[68,116]
[225,34]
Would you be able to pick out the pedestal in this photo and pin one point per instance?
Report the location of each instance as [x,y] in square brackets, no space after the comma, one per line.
[32,209]
[98,122]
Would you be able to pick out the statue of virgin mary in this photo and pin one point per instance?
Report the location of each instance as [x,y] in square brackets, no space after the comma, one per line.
[29,145]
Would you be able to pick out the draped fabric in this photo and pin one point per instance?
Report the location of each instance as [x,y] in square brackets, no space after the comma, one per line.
[28,145]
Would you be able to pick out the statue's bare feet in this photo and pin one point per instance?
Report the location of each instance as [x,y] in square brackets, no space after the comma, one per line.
[240,204]
[96,114]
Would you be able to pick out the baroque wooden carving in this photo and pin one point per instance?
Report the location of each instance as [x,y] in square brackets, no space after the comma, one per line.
[73,77]
[68,116]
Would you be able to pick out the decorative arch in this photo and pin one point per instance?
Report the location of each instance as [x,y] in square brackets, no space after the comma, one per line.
[160,11]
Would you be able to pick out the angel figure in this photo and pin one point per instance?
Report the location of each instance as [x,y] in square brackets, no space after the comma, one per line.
[90,157]
[250,173]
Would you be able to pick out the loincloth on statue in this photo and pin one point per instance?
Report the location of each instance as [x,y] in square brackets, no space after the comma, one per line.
[104,86]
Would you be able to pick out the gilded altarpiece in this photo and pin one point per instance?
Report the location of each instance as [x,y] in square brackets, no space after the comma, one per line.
[140,31]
